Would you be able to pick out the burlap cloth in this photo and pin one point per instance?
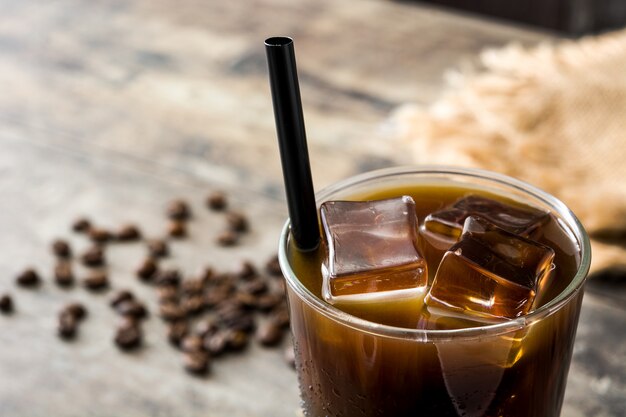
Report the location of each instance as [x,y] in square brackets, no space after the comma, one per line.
[552,115]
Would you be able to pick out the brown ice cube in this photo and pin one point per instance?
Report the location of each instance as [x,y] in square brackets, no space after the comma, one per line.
[371,248]
[490,273]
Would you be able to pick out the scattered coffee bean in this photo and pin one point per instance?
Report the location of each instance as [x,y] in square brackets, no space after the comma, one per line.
[63,275]
[61,249]
[158,248]
[177,229]
[168,277]
[280,317]
[6,304]
[81,224]
[76,310]
[237,222]
[68,326]
[290,356]
[206,327]
[120,297]
[256,287]
[247,300]
[147,270]
[96,281]
[176,332]
[29,278]
[237,340]
[267,302]
[132,308]
[247,271]
[272,267]
[269,334]
[94,256]
[178,210]
[192,343]
[99,235]
[227,238]
[171,312]
[207,275]
[128,233]
[193,305]
[167,294]
[192,287]
[128,336]
[196,363]
[217,201]
[216,343]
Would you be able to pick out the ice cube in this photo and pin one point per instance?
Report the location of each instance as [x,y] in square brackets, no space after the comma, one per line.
[371,249]
[448,222]
[490,274]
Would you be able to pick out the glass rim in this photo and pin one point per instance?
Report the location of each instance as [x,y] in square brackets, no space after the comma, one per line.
[424,335]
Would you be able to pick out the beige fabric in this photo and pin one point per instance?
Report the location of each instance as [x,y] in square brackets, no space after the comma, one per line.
[552,115]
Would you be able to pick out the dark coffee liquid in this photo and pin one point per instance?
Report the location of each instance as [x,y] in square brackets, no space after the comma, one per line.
[347,372]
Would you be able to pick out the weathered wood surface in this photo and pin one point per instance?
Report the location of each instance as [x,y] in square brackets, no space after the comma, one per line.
[115,107]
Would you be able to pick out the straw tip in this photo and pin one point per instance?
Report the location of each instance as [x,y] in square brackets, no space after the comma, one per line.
[278,41]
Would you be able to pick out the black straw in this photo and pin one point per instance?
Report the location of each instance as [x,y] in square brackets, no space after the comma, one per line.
[294,154]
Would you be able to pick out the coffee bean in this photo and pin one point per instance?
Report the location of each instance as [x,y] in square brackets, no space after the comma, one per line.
[132,308]
[196,363]
[176,332]
[99,235]
[147,270]
[96,281]
[6,304]
[171,312]
[217,201]
[237,340]
[158,248]
[227,238]
[63,275]
[168,277]
[290,356]
[61,249]
[192,286]
[68,326]
[256,287]
[235,318]
[269,334]
[120,297]
[94,256]
[247,300]
[267,302]
[29,278]
[81,224]
[178,210]
[237,222]
[167,294]
[247,271]
[216,343]
[206,327]
[128,233]
[192,343]
[272,267]
[177,229]
[280,317]
[76,310]
[128,336]
[207,275]
[193,305]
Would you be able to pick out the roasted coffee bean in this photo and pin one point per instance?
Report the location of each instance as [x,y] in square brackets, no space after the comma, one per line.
[128,336]
[63,275]
[247,271]
[247,300]
[290,356]
[81,224]
[243,323]
[196,363]
[235,318]
[227,238]
[256,287]
[207,275]
[177,229]
[192,343]
[61,249]
[280,317]
[237,340]
[272,267]
[97,281]
[168,277]
[158,248]
[268,302]
[269,334]
[128,233]
[217,201]
[99,235]
[192,286]
[193,305]
[132,308]
[28,278]
[167,294]
[120,297]
[206,327]
[176,332]
[147,270]
[171,312]
[178,210]
[229,309]
[68,326]
[237,222]
[6,304]
[77,310]
[216,343]
[94,256]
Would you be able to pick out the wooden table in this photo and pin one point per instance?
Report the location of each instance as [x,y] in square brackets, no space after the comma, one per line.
[112,108]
